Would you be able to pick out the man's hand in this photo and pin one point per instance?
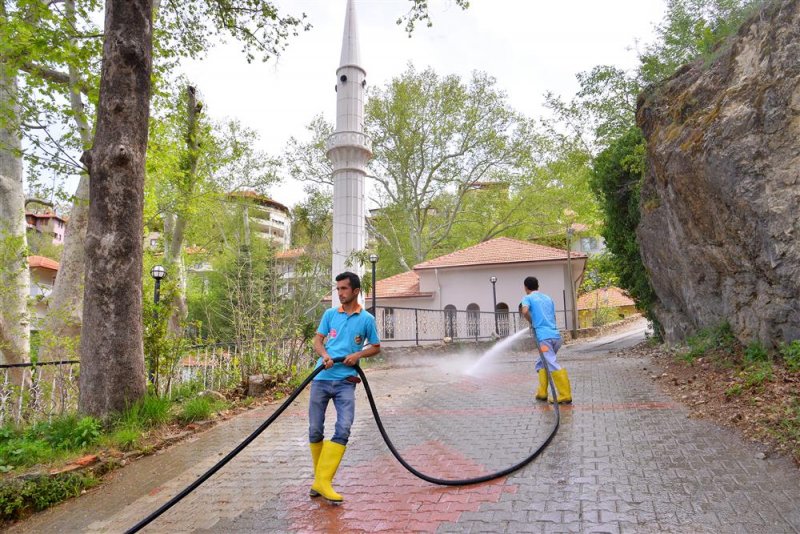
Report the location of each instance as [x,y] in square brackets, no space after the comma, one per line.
[352,359]
[327,361]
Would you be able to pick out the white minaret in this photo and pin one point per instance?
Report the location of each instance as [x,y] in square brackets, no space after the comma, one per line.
[349,150]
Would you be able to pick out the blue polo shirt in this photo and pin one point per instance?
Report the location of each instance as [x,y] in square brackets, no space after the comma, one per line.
[346,334]
[543,315]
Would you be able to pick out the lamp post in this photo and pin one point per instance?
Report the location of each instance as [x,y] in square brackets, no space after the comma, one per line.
[493,280]
[373,259]
[570,232]
[157,272]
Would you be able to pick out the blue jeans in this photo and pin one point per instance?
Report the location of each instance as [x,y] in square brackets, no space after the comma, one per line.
[549,355]
[343,394]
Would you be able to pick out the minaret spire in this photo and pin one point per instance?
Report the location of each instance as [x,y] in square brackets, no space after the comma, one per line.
[349,150]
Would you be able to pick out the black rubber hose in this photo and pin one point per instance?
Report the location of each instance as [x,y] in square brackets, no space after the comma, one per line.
[443,482]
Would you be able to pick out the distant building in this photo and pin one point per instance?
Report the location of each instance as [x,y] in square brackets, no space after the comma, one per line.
[604,305]
[451,293]
[269,219]
[47,223]
[586,240]
[43,278]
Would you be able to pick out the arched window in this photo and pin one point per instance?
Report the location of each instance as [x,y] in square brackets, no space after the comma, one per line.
[388,323]
[473,320]
[450,325]
[502,319]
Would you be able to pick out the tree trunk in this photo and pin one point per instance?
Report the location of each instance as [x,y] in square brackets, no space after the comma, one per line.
[62,325]
[176,229]
[112,353]
[14,272]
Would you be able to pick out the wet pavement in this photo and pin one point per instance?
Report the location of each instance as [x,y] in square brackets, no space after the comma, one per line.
[625,459]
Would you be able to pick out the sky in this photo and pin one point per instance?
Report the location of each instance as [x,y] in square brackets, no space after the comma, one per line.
[530,47]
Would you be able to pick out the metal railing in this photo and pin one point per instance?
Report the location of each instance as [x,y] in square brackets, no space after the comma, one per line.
[414,325]
[32,392]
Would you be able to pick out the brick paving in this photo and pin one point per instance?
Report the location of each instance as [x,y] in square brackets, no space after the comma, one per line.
[625,459]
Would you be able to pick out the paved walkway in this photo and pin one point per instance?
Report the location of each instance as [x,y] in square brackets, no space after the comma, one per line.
[626,459]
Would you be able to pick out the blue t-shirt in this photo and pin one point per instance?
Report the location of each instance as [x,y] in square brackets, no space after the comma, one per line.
[543,315]
[346,334]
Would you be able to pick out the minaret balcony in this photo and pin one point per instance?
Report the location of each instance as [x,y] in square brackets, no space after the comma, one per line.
[349,139]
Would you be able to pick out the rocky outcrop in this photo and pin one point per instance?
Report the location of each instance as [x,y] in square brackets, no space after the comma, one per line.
[720,203]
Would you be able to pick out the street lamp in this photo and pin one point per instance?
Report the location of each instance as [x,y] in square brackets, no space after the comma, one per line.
[570,232]
[373,258]
[157,272]
[493,280]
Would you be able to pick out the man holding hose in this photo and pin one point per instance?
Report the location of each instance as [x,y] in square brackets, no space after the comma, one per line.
[540,311]
[342,332]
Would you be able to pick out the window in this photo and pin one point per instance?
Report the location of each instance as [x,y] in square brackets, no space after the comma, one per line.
[450,325]
[502,319]
[473,320]
[388,323]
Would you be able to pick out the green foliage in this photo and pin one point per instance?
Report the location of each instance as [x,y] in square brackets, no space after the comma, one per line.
[197,409]
[70,432]
[734,391]
[709,339]
[148,412]
[756,374]
[125,438]
[419,13]
[616,180]
[755,352]
[692,29]
[20,497]
[600,272]
[791,355]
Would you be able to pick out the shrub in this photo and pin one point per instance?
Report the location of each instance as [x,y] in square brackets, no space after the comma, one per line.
[125,438]
[69,432]
[17,497]
[791,355]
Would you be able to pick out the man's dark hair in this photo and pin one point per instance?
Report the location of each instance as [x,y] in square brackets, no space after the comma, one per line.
[531,283]
[355,281]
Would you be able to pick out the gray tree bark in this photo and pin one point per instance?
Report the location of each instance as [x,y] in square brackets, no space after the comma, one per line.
[62,325]
[14,272]
[112,352]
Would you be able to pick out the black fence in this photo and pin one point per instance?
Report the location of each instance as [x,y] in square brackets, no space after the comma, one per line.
[414,325]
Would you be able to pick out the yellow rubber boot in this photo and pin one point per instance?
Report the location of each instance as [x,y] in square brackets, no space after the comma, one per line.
[327,465]
[316,448]
[541,393]
[561,381]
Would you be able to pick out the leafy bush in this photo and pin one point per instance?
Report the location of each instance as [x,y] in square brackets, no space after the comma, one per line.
[18,497]
[69,432]
[791,355]
[20,451]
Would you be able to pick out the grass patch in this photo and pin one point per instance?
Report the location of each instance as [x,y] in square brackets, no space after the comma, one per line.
[709,339]
[149,412]
[757,373]
[734,391]
[198,409]
[790,352]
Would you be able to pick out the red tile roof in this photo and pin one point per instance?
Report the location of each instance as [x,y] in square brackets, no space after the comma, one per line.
[498,250]
[42,262]
[290,254]
[400,285]
[611,297]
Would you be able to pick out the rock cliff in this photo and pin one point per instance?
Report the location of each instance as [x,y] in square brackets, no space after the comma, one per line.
[720,202]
